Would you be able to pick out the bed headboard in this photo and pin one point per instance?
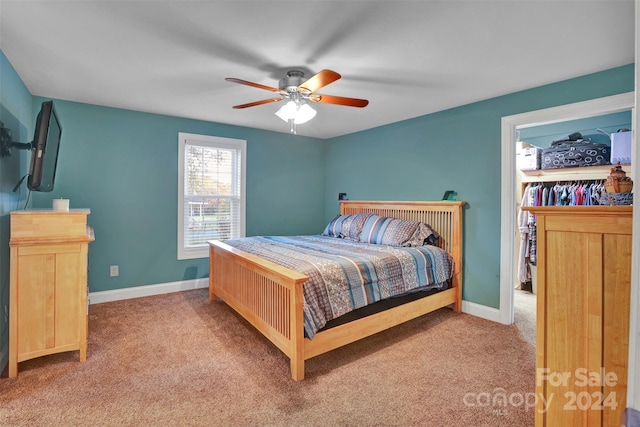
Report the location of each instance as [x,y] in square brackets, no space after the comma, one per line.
[444,216]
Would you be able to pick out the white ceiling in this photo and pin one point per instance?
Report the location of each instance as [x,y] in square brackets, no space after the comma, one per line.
[408,58]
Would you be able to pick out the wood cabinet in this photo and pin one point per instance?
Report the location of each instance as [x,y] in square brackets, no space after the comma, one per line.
[48,285]
[584,282]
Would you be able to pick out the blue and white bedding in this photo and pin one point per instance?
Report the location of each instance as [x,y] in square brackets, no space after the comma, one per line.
[345,275]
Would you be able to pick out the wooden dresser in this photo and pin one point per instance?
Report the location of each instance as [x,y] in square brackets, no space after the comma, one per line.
[584,282]
[48,285]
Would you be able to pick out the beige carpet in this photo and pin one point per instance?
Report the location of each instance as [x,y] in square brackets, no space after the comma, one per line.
[524,303]
[178,359]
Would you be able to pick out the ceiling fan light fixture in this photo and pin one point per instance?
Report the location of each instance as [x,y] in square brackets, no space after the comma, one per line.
[304,114]
[299,114]
[287,111]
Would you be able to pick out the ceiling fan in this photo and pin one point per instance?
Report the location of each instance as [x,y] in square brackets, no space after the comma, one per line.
[298,89]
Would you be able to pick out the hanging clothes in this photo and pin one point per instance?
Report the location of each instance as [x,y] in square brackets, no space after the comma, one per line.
[568,193]
[524,271]
[571,193]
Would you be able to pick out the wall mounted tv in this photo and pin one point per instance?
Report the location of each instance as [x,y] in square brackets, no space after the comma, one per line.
[44,148]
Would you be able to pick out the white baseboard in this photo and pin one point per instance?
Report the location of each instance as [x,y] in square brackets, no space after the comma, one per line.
[148,290]
[479,310]
[468,307]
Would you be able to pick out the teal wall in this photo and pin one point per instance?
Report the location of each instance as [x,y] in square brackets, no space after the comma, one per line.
[16,114]
[457,149]
[123,166]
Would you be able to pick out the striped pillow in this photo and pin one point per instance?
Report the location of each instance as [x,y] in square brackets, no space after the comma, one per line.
[334,228]
[388,231]
[346,226]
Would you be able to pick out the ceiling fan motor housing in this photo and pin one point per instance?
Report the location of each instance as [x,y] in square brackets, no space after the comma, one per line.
[291,82]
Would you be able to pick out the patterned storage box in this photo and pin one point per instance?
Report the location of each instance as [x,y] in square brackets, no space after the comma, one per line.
[568,154]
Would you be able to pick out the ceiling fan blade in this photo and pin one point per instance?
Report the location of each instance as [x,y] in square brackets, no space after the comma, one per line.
[318,81]
[330,99]
[252,84]
[253,104]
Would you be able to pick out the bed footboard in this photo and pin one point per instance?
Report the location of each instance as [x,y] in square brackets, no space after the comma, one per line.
[266,294]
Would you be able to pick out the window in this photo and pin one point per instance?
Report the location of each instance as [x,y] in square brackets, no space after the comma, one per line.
[211,187]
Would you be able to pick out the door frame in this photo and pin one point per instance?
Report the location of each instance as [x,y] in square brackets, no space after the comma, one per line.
[508,214]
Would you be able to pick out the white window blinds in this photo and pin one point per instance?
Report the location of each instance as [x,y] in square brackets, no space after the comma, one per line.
[211,203]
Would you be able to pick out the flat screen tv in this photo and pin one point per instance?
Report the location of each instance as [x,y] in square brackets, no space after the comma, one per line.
[44,149]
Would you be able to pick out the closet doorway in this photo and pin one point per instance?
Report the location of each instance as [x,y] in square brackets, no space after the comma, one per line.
[509,246]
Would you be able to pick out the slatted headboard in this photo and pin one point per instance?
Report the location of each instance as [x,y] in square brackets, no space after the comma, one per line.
[443,216]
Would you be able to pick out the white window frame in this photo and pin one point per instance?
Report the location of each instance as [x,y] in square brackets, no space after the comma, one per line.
[185,139]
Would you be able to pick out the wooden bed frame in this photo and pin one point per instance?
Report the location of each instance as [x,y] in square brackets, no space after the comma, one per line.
[269,296]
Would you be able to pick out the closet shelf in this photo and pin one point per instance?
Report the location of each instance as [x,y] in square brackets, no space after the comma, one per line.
[569,174]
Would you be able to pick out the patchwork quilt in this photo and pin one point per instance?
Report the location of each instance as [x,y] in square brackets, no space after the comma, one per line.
[345,275]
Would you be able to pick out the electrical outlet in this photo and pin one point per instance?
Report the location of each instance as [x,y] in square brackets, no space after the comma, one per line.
[114,271]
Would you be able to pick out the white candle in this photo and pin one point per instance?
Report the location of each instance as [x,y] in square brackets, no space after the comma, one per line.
[61,205]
